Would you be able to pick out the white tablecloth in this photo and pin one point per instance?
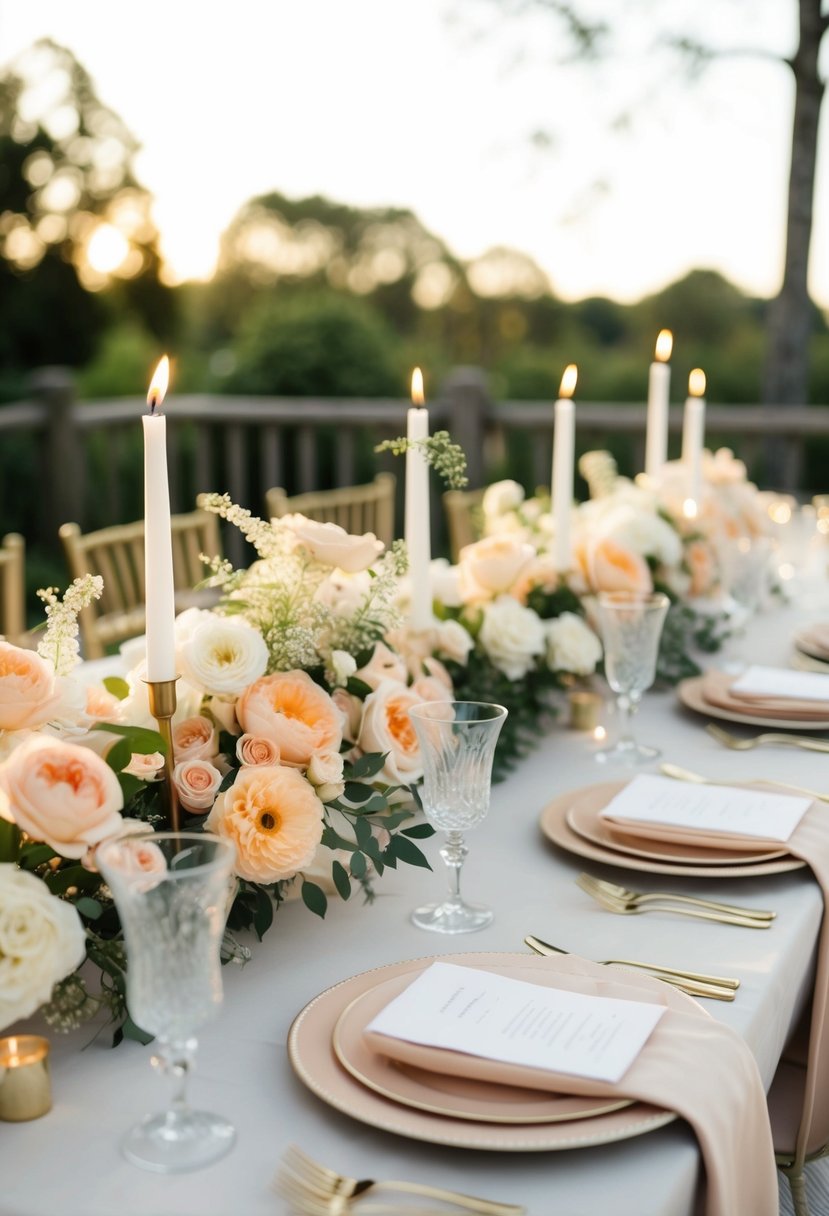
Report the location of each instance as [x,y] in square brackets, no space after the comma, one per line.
[69,1163]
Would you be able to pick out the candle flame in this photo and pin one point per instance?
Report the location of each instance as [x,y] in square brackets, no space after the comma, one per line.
[696,383]
[159,384]
[664,345]
[599,734]
[568,381]
[689,508]
[417,387]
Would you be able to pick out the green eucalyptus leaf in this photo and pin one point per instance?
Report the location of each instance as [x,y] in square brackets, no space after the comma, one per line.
[314,898]
[263,916]
[118,686]
[408,852]
[88,907]
[358,865]
[419,831]
[341,880]
[368,765]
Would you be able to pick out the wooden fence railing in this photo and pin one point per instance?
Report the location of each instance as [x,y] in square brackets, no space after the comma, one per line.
[62,459]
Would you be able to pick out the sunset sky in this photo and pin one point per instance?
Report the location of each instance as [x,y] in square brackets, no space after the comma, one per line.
[430,104]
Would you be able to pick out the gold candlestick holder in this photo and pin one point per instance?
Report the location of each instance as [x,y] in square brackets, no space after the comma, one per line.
[25,1091]
[162,698]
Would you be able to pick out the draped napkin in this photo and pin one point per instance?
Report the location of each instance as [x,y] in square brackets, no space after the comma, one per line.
[717,690]
[691,1064]
[814,641]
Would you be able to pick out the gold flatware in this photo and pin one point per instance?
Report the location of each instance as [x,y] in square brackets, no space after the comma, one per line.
[302,1175]
[587,882]
[306,1202]
[693,983]
[685,774]
[633,908]
[772,737]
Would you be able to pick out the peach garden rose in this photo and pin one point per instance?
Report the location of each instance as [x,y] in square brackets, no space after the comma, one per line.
[195,739]
[29,692]
[274,818]
[64,795]
[388,728]
[292,711]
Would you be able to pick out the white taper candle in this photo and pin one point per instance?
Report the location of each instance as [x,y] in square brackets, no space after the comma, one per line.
[417,517]
[159,590]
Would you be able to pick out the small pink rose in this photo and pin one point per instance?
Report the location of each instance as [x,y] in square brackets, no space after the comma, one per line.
[197,784]
[145,767]
[255,749]
[195,739]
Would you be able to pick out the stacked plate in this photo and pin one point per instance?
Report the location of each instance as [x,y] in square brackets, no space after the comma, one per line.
[711,694]
[328,1052]
[811,648]
[572,821]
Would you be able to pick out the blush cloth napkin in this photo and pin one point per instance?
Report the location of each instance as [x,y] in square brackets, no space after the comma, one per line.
[691,1064]
[814,641]
[716,690]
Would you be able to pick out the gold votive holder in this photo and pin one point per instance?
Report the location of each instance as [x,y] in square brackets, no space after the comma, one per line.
[25,1088]
[585,709]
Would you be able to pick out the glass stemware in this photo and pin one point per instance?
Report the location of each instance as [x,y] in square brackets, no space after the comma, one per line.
[631,626]
[171,891]
[457,742]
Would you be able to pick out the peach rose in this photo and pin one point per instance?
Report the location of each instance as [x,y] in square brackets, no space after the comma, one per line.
[133,855]
[101,704]
[29,693]
[384,664]
[430,688]
[197,783]
[64,795]
[388,728]
[702,567]
[613,568]
[195,739]
[351,708]
[332,545]
[492,565]
[254,749]
[145,767]
[274,818]
[292,711]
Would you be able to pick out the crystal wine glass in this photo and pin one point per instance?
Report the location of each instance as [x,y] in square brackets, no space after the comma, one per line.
[457,742]
[171,892]
[631,625]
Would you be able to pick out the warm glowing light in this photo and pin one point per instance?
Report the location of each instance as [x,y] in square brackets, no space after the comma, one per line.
[689,508]
[780,512]
[568,380]
[786,571]
[417,387]
[696,383]
[108,248]
[159,384]
[664,345]
[599,734]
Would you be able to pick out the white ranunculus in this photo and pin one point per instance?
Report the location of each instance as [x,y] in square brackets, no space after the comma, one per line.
[512,636]
[492,565]
[223,655]
[332,545]
[572,645]
[501,497]
[325,772]
[41,941]
[643,532]
[452,641]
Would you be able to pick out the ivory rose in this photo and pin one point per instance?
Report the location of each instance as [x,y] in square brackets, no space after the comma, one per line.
[222,655]
[384,664]
[195,739]
[254,749]
[388,728]
[197,783]
[512,636]
[613,568]
[29,691]
[572,645]
[135,855]
[274,818]
[501,497]
[492,565]
[325,772]
[64,795]
[292,711]
[42,939]
[332,545]
[145,767]
[453,641]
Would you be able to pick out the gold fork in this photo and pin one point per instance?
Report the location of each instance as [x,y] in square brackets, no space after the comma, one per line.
[694,983]
[301,1172]
[633,908]
[744,745]
[307,1202]
[627,895]
[685,774]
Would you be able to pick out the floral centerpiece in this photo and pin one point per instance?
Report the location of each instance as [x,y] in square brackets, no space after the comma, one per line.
[291,738]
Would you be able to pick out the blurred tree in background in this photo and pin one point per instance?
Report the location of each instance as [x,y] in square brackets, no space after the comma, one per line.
[77,245]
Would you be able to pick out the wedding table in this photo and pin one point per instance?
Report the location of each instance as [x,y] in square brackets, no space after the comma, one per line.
[69,1163]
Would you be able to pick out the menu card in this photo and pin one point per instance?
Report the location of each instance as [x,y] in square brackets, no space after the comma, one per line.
[481,1014]
[707,808]
[780,682]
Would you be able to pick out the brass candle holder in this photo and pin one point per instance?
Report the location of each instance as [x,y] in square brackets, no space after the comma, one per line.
[585,708]
[25,1088]
[162,698]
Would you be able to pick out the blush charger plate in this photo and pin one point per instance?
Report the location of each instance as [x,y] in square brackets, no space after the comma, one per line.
[556,828]
[313,1058]
[690,693]
[585,819]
